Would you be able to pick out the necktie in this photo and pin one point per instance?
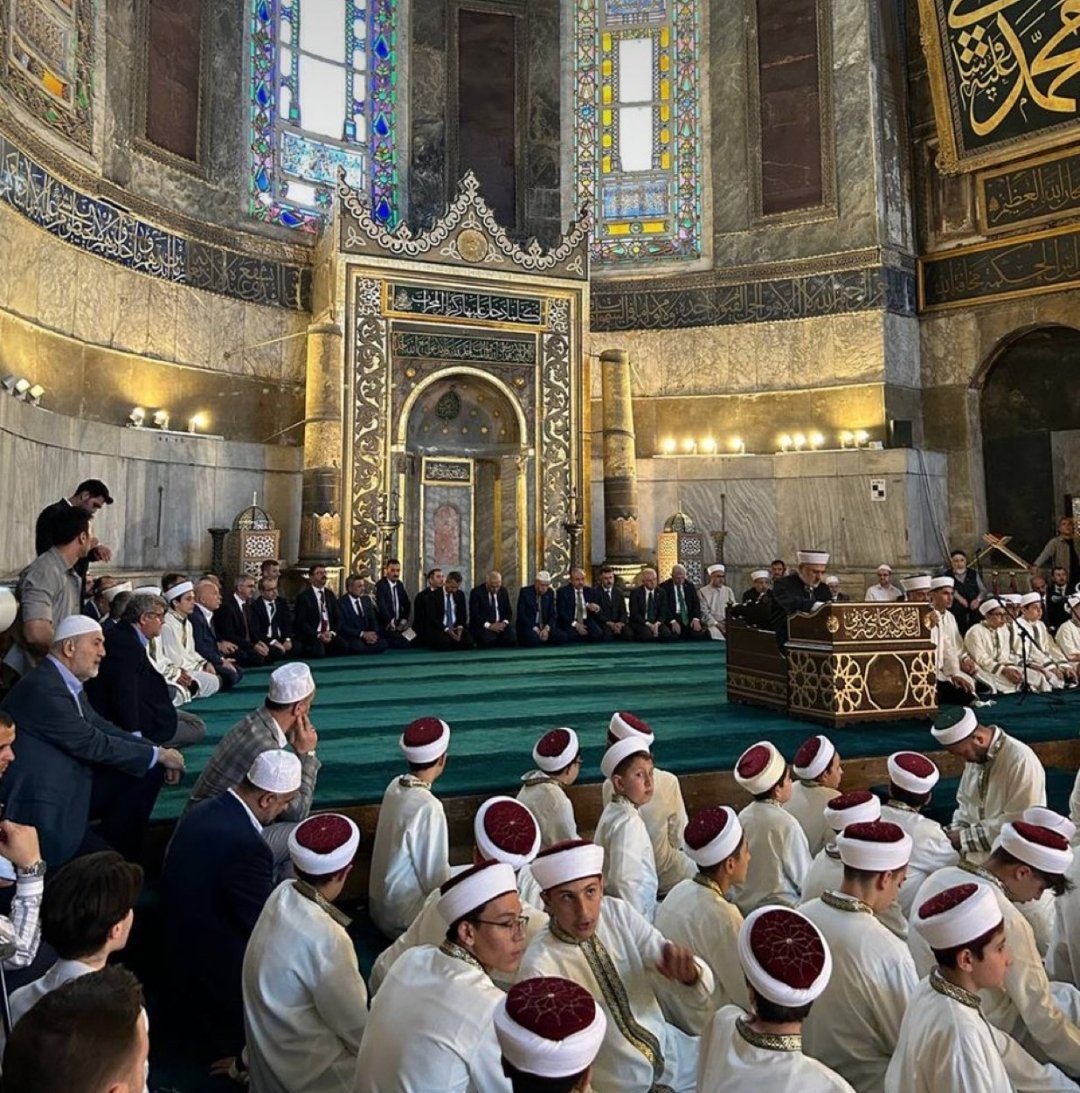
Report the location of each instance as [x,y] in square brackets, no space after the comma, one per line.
[494,607]
[449,616]
[540,611]
[648,606]
[394,595]
[324,621]
[680,600]
[359,611]
[579,607]
[153,648]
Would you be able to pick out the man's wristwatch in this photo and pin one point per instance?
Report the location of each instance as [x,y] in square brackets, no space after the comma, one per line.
[37,869]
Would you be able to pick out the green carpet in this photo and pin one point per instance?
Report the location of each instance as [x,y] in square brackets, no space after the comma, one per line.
[497,703]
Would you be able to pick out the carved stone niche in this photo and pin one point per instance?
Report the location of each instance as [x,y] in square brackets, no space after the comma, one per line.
[462,300]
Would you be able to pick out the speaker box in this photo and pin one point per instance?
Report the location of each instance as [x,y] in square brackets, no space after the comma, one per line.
[901,433]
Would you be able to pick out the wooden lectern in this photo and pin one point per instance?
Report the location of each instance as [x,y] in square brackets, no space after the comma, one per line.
[844,663]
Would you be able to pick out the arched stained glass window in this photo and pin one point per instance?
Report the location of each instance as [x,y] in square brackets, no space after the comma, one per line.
[323,99]
[638,127]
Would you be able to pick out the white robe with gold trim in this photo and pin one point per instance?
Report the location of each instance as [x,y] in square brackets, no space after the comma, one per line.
[779,857]
[930,850]
[629,866]
[551,805]
[807,805]
[826,874]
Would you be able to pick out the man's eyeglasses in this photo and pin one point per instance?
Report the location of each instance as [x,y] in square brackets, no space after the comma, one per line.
[515,926]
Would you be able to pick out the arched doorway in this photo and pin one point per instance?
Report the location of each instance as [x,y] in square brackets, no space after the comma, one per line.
[465,477]
[1030,415]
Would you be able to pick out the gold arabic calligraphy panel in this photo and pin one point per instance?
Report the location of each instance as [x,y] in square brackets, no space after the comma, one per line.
[1005,76]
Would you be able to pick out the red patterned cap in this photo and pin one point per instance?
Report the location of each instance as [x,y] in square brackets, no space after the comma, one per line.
[556,750]
[323,844]
[759,768]
[784,955]
[853,807]
[506,831]
[912,772]
[958,916]
[623,725]
[712,835]
[876,847]
[425,739]
[813,757]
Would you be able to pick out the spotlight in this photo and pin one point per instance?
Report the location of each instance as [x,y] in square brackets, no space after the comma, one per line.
[861,436]
[785,443]
[846,438]
[8,384]
[816,440]
[33,396]
[136,417]
[161,419]
[737,444]
[799,441]
[668,446]
[689,445]
[198,423]
[708,445]
[22,385]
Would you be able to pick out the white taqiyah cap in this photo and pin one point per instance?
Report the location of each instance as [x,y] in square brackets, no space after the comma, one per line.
[812,557]
[9,608]
[716,568]
[989,604]
[149,590]
[556,749]
[1040,847]
[549,1027]
[954,727]
[759,768]
[544,577]
[75,626]
[620,750]
[918,583]
[784,956]
[1029,598]
[425,740]
[110,594]
[957,916]
[813,758]
[276,771]
[623,724]
[857,806]
[505,830]
[884,566]
[941,582]
[1047,817]
[760,575]
[1073,601]
[1012,598]
[178,590]
[912,771]
[473,888]
[877,847]
[324,844]
[291,682]
[712,835]
[566,862]
[832,578]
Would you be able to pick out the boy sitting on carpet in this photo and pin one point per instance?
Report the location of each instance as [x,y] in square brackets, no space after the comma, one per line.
[557,755]
[629,865]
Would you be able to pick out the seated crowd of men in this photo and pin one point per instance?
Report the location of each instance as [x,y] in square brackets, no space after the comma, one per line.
[817,939]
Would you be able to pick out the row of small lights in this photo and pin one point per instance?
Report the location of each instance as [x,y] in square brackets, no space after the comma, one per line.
[787,442]
[159,419]
[21,388]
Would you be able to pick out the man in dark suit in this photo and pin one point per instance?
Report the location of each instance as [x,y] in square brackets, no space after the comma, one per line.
[233,624]
[271,620]
[73,765]
[441,614]
[613,617]
[393,605]
[646,618]
[359,620]
[798,591]
[536,614]
[680,607]
[490,617]
[218,873]
[576,610]
[219,654]
[91,496]
[317,620]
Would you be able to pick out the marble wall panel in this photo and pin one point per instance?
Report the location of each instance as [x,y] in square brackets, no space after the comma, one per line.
[58,289]
[132,292]
[194,311]
[95,304]
[163,307]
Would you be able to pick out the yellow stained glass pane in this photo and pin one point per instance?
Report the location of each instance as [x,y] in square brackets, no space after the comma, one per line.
[606,116]
[665,36]
[52,84]
[665,113]
[665,136]
[605,165]
[665,62]
[665,160]
[605,140]
[606,43]
[618,229]
[665,89]
[606,67]
[654,226]
[605,93]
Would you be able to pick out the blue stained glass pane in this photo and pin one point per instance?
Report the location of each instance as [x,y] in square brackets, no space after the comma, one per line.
[383,210]
[262,95]
[263,12]
[290,219]
[382,50]
[262,180]
[382,129]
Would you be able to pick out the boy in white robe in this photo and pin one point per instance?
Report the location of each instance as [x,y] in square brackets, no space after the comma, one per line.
[305,1003]
[627,965]
[557,755]
[629,865]
[431,1025]
[504,830]
[946,1045]
[178,641]
[817,767]
[665,814]
[1067,634]
[1002,777]
[912,778]
[697,912]
[411,854]
[549,1030]
[950,657]
[990,645]
[787,965]
[779,854]
[856,1023]
[1043,653]
[1042,1016]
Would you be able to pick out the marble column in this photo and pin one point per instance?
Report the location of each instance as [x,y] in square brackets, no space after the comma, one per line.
[320,511]
[620,462]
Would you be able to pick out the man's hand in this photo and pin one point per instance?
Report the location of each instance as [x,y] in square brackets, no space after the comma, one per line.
[302,736]
[654,628]
[543,631]
[968,665]
[185,678]
[964,684]
[592,608]
[100,553]
[954,838]
[19,844]
[676,626]
[1013,675]
[678,963]
[326,636]
[695,625]
[226,647]
[171,759]
[369,636]
[498,627]
[261,648]
[581,628]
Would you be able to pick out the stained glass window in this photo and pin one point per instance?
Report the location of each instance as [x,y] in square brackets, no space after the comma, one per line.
[638,127]
[323,99]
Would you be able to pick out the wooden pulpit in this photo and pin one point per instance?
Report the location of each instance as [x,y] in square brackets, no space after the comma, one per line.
[846,662]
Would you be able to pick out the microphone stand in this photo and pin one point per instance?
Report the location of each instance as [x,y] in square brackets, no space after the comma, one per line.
[1025,637]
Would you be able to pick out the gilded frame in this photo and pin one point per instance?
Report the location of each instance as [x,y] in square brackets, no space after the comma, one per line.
[1027,222]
